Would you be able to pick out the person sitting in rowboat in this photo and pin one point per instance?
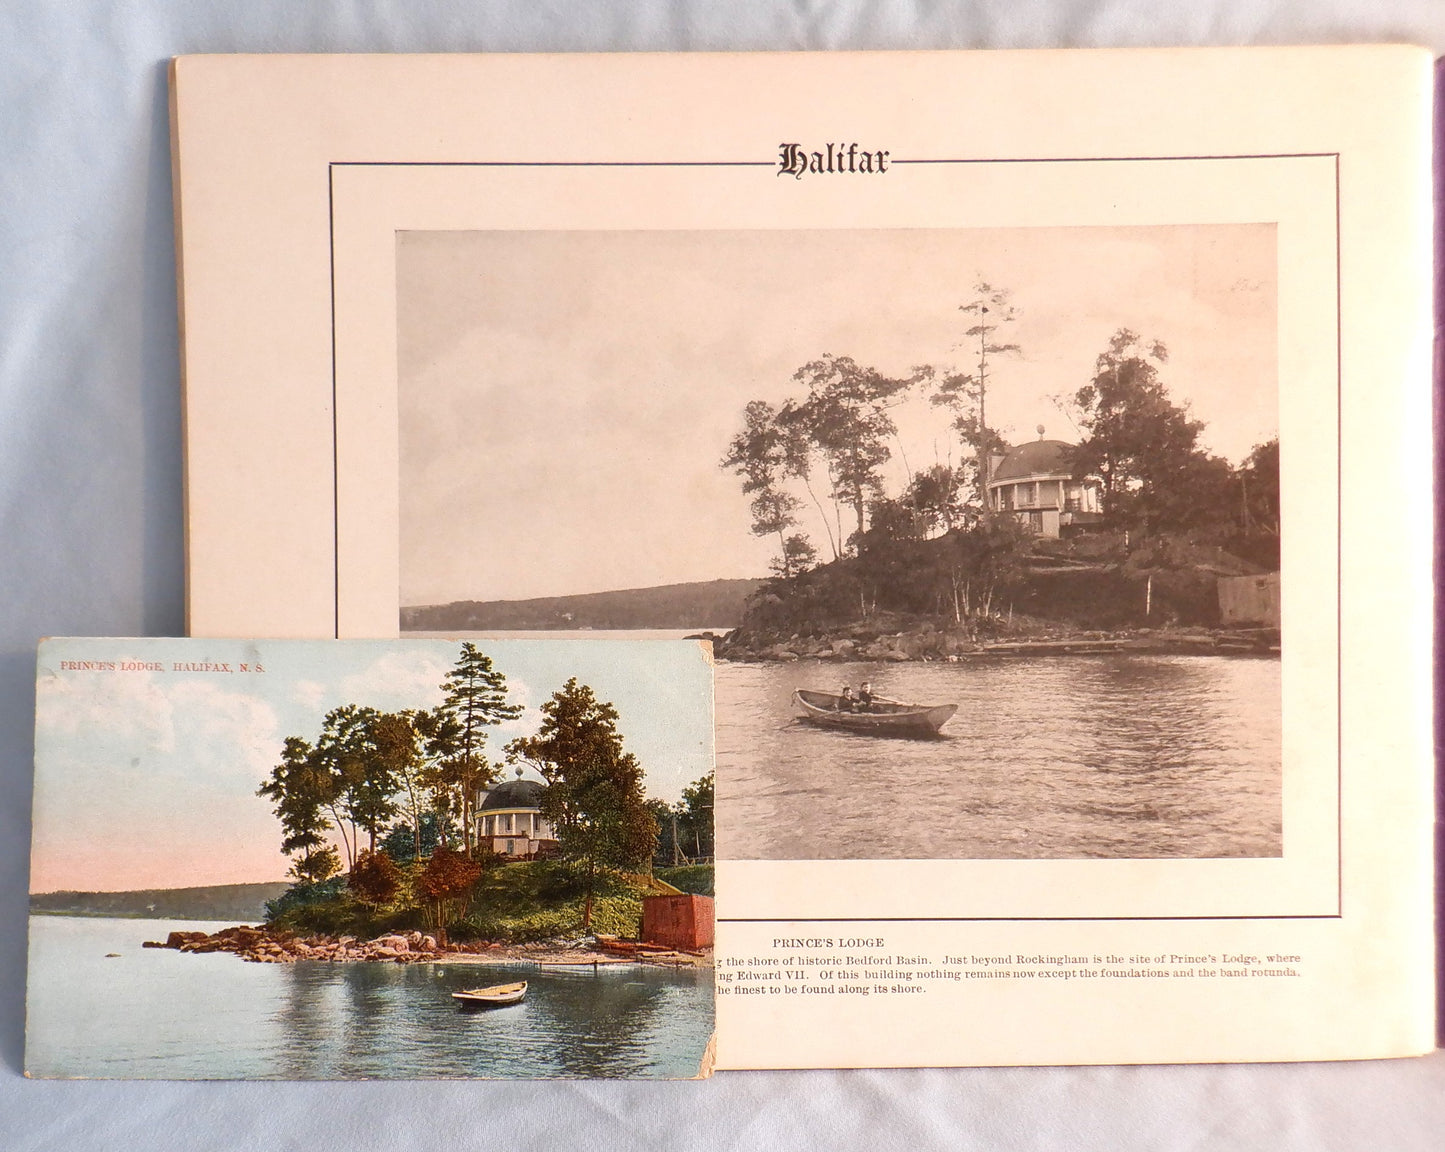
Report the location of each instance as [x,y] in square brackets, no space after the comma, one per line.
[846,703]
[865,697]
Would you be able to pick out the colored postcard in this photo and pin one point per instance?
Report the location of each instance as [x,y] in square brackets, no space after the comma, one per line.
[371,860]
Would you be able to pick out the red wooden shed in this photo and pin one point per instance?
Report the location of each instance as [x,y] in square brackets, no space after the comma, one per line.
[683,921]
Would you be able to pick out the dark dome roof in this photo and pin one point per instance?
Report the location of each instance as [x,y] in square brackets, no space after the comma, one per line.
[1036,458]
[515,794]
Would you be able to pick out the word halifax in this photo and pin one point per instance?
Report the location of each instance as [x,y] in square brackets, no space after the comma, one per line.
[794,161]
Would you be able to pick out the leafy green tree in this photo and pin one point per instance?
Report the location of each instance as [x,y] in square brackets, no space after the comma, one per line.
[594,796]
[317,865]
[667,852]
[398,744]
[401,841]
[456,736]
[302,792]
[362,782]
[684,828]
[695,817]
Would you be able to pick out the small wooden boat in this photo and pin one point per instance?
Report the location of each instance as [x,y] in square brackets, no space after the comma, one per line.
[492,997]
[882,718]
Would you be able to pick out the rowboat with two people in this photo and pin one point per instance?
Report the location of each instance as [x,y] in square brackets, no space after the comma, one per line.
[493,997]
[879,716]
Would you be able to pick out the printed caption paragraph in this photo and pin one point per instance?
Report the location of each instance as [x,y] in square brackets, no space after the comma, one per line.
[867,967]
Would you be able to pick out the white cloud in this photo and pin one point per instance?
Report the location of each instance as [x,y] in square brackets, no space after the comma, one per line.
[402,678]
[309,693]
[127,710]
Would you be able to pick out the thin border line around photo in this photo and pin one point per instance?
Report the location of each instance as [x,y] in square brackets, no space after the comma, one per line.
[961,161]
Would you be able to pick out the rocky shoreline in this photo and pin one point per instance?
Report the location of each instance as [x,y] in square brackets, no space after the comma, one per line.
[926,642]
[261,945]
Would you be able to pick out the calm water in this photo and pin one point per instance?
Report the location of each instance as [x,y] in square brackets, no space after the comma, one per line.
[1049,757]
[155,1013]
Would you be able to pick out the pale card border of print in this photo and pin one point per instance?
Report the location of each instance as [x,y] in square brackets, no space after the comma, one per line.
[256,142]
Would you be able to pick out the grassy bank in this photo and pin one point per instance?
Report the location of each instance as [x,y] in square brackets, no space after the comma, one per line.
[693,878]
[513,903]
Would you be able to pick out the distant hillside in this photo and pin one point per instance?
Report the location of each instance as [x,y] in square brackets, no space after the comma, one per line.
[240,902]
[708,604]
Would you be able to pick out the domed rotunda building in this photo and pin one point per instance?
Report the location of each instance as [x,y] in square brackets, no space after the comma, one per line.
[1036,482]
[510,820]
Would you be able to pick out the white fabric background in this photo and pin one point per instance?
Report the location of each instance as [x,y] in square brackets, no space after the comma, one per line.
[90,544]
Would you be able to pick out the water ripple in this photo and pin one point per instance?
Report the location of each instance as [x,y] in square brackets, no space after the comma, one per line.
[1050,758]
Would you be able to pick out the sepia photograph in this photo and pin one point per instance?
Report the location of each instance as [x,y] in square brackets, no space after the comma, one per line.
[983,524]
[335,860]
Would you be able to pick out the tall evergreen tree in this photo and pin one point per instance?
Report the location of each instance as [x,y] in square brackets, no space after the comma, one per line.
[965,394]
[476,700]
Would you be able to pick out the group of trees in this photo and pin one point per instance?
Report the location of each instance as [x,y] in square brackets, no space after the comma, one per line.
[367,768]
[838,435]
[840,427]
[1144,450]
[1139,445]
[594,797]
[375,788]
[686,827]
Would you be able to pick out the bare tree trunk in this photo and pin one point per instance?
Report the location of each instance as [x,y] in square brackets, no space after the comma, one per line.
[823,515]
[587,908]
[340,823]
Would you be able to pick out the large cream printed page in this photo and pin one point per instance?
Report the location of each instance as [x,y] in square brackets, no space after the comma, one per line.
[1042,437]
